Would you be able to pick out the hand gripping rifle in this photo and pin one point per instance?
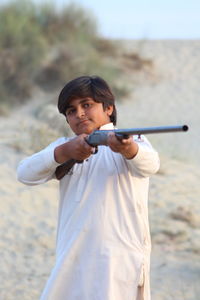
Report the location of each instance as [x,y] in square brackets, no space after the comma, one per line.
[99,137]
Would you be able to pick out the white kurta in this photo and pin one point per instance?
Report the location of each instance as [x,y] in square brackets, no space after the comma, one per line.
[103,240]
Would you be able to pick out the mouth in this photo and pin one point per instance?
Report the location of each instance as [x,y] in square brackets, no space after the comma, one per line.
[82,122]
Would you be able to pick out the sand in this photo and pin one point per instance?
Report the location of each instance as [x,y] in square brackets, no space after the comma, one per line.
[166,93]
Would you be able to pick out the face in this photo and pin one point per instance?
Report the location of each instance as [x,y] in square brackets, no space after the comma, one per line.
[85,115]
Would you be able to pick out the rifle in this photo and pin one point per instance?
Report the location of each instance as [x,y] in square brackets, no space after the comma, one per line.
[99,137]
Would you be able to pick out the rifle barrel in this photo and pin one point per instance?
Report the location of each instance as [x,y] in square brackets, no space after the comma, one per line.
[148,130]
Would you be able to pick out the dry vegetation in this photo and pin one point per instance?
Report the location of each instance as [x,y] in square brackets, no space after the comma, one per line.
[44,48]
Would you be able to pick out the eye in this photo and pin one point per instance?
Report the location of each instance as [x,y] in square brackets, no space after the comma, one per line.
[87,105]
[70,111]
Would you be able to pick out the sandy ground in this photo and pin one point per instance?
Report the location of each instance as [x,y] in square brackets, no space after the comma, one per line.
[165,94]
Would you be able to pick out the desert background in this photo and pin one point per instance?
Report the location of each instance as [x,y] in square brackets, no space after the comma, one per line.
[156,83]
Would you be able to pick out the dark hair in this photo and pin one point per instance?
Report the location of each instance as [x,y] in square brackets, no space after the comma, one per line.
[87,86]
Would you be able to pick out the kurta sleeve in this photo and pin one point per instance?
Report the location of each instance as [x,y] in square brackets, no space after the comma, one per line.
[40,167]
[146,162]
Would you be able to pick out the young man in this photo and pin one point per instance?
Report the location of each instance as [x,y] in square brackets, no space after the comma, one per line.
[103,241]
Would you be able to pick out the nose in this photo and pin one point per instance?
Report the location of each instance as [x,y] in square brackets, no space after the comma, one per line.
[80,112]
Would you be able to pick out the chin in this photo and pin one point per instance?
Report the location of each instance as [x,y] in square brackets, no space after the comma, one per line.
[84,130]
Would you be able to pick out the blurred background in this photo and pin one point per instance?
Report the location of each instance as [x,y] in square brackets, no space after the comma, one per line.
[149,52]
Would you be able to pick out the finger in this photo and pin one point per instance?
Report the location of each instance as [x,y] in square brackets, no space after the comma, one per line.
[83,143]
[87,147]
[127,141]
[112,137]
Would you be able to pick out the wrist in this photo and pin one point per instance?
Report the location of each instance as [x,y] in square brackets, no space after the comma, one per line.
[131,151]
[61,153]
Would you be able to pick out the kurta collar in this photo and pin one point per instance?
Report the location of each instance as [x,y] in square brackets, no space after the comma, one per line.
[107,126]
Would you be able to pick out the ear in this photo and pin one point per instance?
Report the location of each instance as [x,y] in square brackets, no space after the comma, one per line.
[109,110]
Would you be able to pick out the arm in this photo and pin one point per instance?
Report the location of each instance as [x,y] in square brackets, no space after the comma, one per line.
[127,147]
[37,168]
[140,156]
[40,167]
[76,149]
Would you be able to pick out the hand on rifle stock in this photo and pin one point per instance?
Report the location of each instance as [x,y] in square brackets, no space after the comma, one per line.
[74,151]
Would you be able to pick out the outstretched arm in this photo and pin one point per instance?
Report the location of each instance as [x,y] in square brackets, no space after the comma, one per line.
[76,148]
[141,158]
[127,147]
[40,167]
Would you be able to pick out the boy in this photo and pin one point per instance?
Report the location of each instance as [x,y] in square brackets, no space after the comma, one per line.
[103,241]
